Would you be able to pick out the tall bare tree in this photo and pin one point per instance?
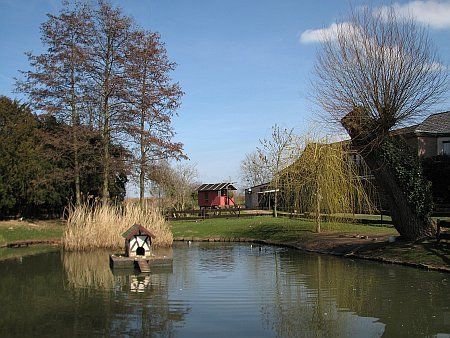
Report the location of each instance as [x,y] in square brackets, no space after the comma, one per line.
[56,84]
[276,153]
[153,99]
[105,66]
[377,71]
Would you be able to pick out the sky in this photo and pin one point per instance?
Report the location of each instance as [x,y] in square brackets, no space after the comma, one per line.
[244,65]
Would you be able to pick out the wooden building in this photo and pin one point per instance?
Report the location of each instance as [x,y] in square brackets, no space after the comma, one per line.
[216,195]
[138,241]
[259,197]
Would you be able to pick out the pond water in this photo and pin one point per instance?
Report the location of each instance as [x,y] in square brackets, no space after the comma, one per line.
[221,289]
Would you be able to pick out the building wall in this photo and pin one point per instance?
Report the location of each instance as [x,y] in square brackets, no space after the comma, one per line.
[214,199]
[252,196]
[427,146]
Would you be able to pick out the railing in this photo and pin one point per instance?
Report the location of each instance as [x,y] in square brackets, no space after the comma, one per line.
[381,219]
[194,214]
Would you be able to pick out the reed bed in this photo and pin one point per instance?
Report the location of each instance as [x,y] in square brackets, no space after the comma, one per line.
[101,226]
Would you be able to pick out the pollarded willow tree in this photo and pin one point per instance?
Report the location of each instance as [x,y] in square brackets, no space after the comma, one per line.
[375,72]
[325,180]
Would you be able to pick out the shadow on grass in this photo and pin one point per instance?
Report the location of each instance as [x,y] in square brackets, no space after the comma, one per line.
[441,250]
[273,232]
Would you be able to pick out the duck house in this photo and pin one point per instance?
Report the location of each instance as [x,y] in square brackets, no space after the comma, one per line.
[138,241]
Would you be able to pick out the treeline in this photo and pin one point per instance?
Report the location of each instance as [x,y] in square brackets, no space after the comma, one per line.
[36,171]
[102,88]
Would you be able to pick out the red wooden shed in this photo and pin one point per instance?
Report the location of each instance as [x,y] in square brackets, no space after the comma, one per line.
[215,195]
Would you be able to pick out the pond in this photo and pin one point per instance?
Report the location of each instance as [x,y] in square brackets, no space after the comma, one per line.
[221,289]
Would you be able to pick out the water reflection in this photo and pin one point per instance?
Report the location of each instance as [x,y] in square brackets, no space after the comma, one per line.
[88,270]
[331,296]
[221,288]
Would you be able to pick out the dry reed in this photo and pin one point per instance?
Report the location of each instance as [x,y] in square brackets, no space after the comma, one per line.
[101,226]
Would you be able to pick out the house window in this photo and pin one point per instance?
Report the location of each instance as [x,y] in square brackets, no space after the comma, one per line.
[206,196]
[446,148]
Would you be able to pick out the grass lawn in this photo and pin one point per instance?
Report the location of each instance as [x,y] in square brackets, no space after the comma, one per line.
[269,228]
[26,230]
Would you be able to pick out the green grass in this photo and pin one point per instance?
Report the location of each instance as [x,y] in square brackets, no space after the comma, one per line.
[268,228]
[24,230]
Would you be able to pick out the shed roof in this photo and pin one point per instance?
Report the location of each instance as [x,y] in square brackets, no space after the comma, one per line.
[215,186]
[137,229]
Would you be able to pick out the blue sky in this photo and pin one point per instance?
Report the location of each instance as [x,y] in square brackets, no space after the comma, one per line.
[242,63]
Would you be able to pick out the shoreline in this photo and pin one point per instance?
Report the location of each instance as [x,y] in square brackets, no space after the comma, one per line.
[297,246]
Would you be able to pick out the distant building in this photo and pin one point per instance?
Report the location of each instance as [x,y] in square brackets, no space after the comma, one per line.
[216,195]
[431,137]
[259,197]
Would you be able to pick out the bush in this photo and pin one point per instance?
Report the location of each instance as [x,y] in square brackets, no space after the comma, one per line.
[408,171]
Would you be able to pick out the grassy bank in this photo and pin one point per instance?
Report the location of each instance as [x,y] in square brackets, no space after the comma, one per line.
[15,230]
[269,228]
[355,240]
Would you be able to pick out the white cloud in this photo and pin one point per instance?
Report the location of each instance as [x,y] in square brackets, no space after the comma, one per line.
[325,34]
[428,12]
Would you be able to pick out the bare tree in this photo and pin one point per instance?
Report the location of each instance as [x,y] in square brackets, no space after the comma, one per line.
[174,185]
[253,170]
[375,72]
[110,32]
[153,100]
[276,153]
[56,84]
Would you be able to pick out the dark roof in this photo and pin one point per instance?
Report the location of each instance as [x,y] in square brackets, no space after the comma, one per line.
[137,229]
[215,186]
[260,185]
[434,124]
[404,130]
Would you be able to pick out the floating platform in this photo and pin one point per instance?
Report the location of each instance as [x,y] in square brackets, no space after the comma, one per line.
[118,261]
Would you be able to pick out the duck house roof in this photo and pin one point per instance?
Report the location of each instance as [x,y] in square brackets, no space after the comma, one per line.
[137,229]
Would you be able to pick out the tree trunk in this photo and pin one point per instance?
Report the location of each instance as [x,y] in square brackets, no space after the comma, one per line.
[275,204]
[318,209]
[142,163]
[141,186]
[405,219]
[106,158]
[77,174]
[75,124]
